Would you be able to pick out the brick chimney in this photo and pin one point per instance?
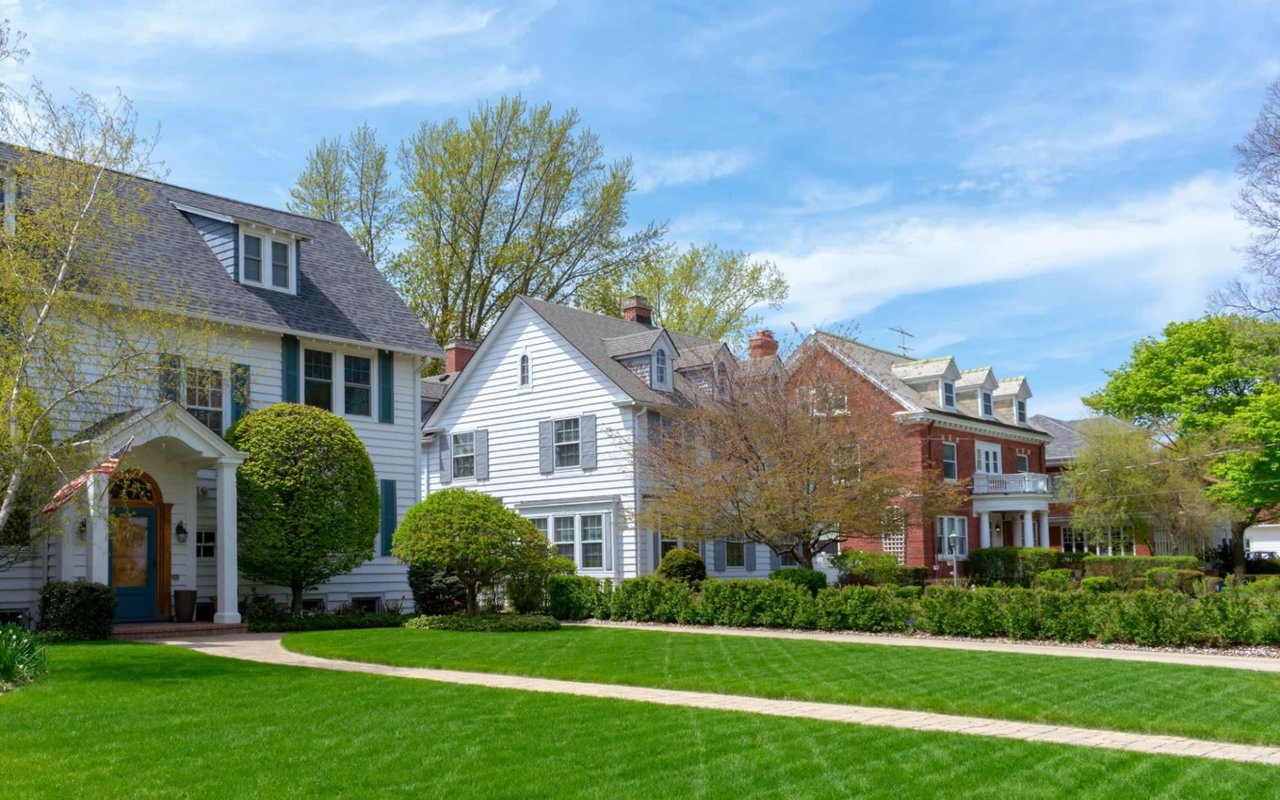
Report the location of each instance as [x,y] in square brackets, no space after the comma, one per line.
[457,353]
[636,308]
[762,345]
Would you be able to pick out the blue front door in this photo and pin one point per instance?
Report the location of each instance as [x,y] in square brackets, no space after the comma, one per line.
[133,563]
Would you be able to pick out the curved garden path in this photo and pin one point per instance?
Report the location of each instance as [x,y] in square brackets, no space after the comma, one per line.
[267,648]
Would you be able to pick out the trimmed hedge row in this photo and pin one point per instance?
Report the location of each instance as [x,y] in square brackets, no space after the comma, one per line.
[1011,566]
[484,623]
[76,610]
[1245,615]
[289,622]
[1123,569]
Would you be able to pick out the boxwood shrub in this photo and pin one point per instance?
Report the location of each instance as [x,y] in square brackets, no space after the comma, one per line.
[866,608]
[649,599]
[683,564]
[1010,566]
[1180,580]
[810,579]
[867,568]
[76,610]
[1055,580]
[484,623]
[574,597]
[289,622]
[1125,568]
[747,603]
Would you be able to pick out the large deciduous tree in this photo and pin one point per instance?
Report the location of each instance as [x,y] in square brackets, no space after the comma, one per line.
[791,466]
[1203,390]
[701,290]
[513,200]
[307,494]
[1259,205]
[470,535]
[85,328]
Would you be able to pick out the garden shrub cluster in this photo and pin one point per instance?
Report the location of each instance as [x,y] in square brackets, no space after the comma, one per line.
[264,615]
[484,623]
[1239,615]
[1123,569]
[23,657]
[575,597]
[867,568]
[1011,566]
[810,579]
[76,610]
[435,590]
[683,564]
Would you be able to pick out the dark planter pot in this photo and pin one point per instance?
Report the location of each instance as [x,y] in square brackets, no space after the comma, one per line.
[184,605]
[204,611]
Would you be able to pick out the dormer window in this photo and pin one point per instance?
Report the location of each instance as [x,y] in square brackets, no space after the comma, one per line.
[988,406]
[660,367]
[1022,412]
[948,394]
[268,260]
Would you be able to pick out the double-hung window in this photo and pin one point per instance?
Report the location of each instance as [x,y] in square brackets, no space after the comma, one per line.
[988,458]
[948,394]
[660,368]
[953,536]
[204,397]
[988,405]
[950,468]
[1024,463]
[206,543]
[1022,412]
[564,537]
[266,261]
[568,442]
[357,385]
[581,538]
[317,379]
[592,541]
[280,265]
[251,271]
[464,455]
[735,554]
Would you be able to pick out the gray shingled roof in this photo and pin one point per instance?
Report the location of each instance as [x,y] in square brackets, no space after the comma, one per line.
[590,333]
[1067,440]
[433,390]
[340,293]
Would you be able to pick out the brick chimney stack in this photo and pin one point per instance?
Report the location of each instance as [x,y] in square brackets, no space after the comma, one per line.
[457,353]
[762,345]
[636,308]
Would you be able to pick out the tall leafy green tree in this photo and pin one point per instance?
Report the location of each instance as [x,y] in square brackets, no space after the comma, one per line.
[701,290]
[323,189]
[513,200]
[307,495]
[373,206]
[1208,383]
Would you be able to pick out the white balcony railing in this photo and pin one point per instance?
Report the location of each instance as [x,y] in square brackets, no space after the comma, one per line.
[1014,483]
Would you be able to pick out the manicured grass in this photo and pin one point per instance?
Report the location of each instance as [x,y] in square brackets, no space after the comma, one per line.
[1201,702]
[137,721]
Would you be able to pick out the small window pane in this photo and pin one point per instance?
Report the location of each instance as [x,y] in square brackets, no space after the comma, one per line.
[987,409]
[735,554]
[358,390]
[253,259]
[204,397]
[541,524]
[317,371]
[280,265]
[524,370]
[564,537]
[593,541]
[949,468]
[567,440]
[464,455]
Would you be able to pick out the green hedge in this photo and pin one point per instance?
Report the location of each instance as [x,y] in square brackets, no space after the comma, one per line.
[484,623]
[574,597]
[867,608]
[289,622]
[1010,566]
[651,599]
[768,604]
[810,579]
[1123,569]
[77,610]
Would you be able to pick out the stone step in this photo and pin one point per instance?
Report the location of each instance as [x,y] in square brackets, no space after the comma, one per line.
[143,631]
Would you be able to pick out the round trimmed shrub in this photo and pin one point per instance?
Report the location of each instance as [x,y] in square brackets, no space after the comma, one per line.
[1055,580]
[77,610]
[867,568]
[810,579]
[683,564]
[307,494]
[485,623]
[1099,583]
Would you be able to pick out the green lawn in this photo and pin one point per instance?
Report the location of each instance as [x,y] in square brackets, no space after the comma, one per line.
[1200,702]
[120,720]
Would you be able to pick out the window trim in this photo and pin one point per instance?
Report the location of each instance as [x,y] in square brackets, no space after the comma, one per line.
[266,258]
[206,538]
[1022,462]
[1020,411]
[947,393]
[980,464]
[547,518]
[221,388]
[952,521]
[305,378]
[741,546]
[661,368]
[454,456]
[954,461]
[556,444]
[988,405]
[524,371]
[369,387]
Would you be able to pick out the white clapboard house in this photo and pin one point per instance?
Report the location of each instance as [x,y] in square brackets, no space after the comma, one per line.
[310,320]
[546,413]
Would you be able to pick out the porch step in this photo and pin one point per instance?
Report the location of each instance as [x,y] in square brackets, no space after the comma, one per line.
[143,631]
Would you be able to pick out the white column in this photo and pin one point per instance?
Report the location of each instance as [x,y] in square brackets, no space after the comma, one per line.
[1028,530]
[984,529]
[97,558]
[228,580]
[1044,527]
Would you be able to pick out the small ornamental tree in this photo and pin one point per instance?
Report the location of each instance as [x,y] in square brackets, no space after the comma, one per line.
[470,534]
[308,497]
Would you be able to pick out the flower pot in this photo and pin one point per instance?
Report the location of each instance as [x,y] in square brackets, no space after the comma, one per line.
[184,605]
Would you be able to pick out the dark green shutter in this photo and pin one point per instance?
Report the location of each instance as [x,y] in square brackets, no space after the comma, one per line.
[290,353]
[386,386]
[297,267]
[170,377]
[388,517]
[239,391]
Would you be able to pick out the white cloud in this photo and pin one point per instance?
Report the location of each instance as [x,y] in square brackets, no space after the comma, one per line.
[1163,252]
[676,169]
[464,85]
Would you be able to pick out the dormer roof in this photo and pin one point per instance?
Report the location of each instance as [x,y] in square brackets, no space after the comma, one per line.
[1016,387]
[633,344]
[982,378]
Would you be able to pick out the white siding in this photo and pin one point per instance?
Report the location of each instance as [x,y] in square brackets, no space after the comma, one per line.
[564,384]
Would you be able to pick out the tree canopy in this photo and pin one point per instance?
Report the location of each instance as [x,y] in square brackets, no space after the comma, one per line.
[308,498]
[1259,205]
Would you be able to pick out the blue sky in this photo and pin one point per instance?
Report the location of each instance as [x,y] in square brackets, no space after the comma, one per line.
[1029,185]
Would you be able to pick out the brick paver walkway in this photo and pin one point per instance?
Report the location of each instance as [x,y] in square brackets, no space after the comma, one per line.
[1196,659]
[266,648]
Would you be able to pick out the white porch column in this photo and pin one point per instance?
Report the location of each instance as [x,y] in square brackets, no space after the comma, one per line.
[228,578]
[1044,527]
[984,529]
[97,558]
[69,542]
[1028,530]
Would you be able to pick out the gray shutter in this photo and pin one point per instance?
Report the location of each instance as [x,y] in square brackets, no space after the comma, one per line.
[546,447]
[775,560]
[482,454]
[717,555]
[446,460]
[657,550]
[750,552]
[588,431]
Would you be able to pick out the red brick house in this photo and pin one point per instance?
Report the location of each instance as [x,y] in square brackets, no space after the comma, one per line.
[970,425]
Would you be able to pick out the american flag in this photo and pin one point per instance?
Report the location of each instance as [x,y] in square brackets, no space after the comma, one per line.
[106,467]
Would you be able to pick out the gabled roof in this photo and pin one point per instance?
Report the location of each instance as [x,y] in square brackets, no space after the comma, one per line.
[1016,386]
[341,295]
[980,378]
[632,344]
[926,368]
[590,334]
[1067,440]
